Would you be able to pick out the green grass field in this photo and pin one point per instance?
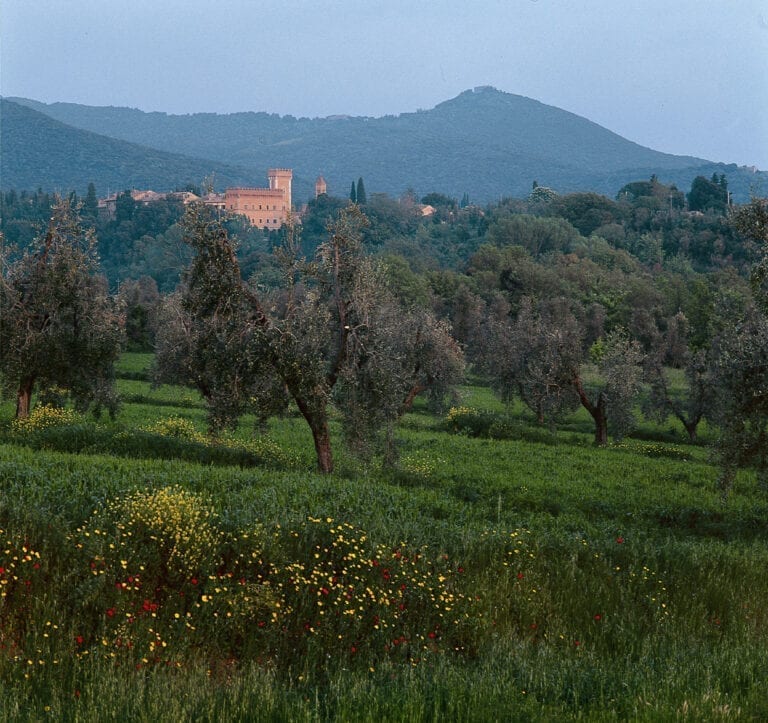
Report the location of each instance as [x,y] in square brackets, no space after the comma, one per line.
[148,573]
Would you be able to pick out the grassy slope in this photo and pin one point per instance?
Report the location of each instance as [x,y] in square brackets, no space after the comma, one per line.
[597,519]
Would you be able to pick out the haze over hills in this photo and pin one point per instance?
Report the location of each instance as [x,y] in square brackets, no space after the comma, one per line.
[483,142]
[41,152]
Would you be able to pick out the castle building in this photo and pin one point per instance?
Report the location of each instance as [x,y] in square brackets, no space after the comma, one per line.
[320,186]
[263,207]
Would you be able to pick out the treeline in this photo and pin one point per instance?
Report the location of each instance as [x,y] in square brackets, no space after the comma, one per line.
[534,291]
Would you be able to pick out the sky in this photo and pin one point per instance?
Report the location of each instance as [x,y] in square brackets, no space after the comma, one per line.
[682,76]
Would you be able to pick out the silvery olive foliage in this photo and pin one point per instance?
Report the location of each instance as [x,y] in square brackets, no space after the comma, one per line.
[59,326]
[331,336]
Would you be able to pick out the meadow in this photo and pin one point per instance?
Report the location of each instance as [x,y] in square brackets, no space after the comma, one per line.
[500,572]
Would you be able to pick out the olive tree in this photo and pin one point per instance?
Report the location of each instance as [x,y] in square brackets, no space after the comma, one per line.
[401,354]
[326,335]
[695,402]
[739,367]
[58,324]
[739,372]
[536,357]
[611,399]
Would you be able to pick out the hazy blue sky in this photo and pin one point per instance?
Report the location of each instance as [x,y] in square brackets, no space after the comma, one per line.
[682,76]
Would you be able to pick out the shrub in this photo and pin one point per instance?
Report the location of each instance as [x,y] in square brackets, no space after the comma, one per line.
[43,417]
[176,428]
[470,421]
[165,581]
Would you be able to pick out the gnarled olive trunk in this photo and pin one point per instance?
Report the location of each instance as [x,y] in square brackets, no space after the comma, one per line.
[318,423]
[691,428]
[597,411]
[24,397]
[322,439]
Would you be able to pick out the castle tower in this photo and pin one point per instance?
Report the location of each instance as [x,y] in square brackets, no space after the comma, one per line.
[280,180]
[267,208]
[320,186]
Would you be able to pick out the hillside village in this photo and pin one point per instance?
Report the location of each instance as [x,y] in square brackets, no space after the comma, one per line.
[265,208]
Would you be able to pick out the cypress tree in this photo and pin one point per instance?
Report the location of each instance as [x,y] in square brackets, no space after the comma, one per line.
[360,195]
[91,205]
[353,193]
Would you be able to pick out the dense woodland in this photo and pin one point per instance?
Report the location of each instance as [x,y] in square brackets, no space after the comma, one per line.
[533,291]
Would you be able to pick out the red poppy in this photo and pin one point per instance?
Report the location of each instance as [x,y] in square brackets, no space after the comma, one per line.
[619,540]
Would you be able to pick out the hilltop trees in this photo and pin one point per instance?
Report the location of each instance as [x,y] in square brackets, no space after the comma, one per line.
[330,333]
[58,324]
[709,195]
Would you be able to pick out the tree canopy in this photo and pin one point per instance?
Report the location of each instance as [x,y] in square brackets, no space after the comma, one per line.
[331,333]
[58,324]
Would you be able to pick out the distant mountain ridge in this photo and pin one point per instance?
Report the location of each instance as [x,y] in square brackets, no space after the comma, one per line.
[39,151]
[484,142]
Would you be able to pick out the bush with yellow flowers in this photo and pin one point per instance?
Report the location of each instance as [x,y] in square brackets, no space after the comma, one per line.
[44,417]
[176,428]
[162,580]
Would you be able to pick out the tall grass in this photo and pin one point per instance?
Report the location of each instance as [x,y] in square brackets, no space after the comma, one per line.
[525,577]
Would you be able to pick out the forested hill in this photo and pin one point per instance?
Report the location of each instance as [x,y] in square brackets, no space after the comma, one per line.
[41,152]
[483,142]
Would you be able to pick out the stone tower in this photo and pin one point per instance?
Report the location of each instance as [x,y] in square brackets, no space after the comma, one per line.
[280,180]
[263,207]
[320,186]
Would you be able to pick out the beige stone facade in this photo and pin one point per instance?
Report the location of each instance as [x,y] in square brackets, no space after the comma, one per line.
[263,207]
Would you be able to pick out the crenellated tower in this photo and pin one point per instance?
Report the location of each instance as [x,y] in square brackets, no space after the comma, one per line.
[263,207]
[280,180]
